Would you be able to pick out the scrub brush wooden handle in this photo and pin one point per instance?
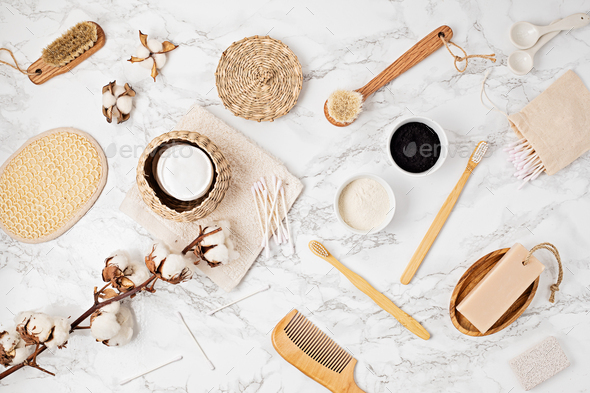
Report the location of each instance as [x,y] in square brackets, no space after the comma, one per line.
[420,51]
[442,215]
[72,48]
[382,301]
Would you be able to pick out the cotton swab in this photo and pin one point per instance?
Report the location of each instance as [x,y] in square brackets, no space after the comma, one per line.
[276,233]
[265,193]
[151,370]
[527,162]
[239,300]
[273,210]
[267,200]
[279,186]
[194,338]
[258,211]
[282,191]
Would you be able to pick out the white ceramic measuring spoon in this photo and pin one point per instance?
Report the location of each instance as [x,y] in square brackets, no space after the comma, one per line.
[521,62]
[524,34]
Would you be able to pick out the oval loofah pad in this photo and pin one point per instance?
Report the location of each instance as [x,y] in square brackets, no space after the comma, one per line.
[259,78]
[48,184]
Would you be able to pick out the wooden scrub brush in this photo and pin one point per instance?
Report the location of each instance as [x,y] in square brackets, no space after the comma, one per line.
[65,53]
[343,106]
[69,50]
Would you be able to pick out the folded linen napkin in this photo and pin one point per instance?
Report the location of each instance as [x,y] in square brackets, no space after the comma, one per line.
[248,163]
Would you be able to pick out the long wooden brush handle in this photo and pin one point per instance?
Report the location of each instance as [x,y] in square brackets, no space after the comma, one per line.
[434,229]
[382,301]
[424,48]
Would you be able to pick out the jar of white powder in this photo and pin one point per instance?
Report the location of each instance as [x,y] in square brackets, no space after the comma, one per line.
[364,203]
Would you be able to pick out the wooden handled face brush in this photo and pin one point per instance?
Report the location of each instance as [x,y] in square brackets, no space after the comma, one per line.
[382,301]
[443,214]
[309,349]
[65,53]
[343,106]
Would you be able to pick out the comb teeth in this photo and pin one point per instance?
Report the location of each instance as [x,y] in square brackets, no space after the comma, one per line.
[481,149]
[318,248]
[316,344]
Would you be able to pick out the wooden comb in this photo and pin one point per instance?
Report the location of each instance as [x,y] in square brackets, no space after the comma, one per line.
[315,354]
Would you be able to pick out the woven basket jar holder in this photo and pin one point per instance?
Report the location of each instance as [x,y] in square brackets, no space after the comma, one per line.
[171,208]
[259,78]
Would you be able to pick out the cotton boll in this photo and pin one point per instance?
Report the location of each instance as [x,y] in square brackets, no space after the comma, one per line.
[125,320]
[147,63]
[116,113]
[104,326]
[160,253]
[121,338]
[155,45]
[124,317]
[40,325]
[9,339]
[23,316]
[142,52]
[112,308]
[21,353]
[139,274]
[108,99]
[160,60]
[174,265]
[219,253]
[216,238]
[118,90]
[233,254]
[124,104]
[61,333]
[120,259]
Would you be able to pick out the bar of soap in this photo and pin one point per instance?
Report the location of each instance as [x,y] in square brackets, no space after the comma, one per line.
[184,172]
[500,288]
[539,363]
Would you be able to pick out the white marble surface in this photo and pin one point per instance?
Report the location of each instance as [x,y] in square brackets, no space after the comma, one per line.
[339,44]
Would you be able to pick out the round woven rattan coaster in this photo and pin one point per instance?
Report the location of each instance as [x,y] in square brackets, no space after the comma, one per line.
[48,184]
[259,78]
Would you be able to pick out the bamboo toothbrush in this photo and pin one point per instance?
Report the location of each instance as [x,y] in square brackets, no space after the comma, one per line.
[309,349]
[343,106]
[443,214]
[382,301]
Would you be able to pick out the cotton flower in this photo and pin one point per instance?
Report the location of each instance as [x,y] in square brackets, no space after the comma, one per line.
[152,53]
[167,266]
[214,244]
[61,333]
[40,328]
[125,320]
[13,349]
[123,272]
[117,101]
[112,325]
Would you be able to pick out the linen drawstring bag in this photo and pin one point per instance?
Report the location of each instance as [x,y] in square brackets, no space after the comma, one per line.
[556,124]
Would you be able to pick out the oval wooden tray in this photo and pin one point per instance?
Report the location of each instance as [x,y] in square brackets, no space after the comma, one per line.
[470,279]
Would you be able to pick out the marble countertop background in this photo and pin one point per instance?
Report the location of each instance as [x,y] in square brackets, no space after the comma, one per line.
[339,44]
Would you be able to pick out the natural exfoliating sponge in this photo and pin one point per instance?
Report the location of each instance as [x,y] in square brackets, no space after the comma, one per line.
[539,363]
[72,44]
[49,184]
[344,106]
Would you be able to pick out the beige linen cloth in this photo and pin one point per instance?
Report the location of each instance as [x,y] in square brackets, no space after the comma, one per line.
[248,163]
[557,122]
